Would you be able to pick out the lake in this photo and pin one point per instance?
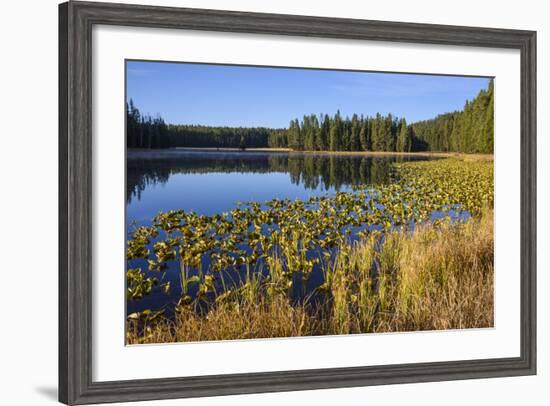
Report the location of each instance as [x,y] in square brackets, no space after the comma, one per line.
[213,182]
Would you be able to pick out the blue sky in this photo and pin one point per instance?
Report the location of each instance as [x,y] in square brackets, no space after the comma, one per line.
[236,96]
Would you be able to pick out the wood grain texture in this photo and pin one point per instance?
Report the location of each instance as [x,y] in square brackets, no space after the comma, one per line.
[76,20]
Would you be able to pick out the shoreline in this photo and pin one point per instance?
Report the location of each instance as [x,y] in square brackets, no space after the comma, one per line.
[432,275]
[159,153]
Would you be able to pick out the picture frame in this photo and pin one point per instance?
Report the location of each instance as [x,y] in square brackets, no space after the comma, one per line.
[76,19]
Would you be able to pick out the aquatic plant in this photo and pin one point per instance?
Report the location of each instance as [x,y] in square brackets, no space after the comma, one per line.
[435,277]
[273,245]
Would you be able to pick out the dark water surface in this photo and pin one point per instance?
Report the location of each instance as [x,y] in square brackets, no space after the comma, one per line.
[211,182]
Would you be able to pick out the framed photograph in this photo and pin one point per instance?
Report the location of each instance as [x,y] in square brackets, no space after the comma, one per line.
[259,202]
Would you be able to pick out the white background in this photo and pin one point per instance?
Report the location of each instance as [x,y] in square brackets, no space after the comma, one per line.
[28,75]
[114,361]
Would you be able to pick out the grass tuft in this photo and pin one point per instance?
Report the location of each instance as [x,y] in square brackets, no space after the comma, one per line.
[439,276]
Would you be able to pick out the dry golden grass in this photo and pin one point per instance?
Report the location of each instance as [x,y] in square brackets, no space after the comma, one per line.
[232,320]
[437,277]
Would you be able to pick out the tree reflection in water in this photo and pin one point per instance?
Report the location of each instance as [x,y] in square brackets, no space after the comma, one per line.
[311,171]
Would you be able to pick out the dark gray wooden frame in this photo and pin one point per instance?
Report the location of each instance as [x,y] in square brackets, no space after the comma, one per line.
[76,20]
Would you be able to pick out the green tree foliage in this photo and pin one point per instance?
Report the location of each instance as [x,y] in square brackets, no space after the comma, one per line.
[242,143]
[355,143]
[469,130]
[295,140]
[390,133]
[377,130]
[405,139]
[322,144]
[144,131]
[223,137]
[335,135]
[310,128]
[364,135]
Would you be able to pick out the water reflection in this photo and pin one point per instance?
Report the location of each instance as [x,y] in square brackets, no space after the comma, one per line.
[309,171]
[213,182]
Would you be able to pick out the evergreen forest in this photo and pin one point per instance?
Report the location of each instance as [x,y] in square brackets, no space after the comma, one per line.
[469,130]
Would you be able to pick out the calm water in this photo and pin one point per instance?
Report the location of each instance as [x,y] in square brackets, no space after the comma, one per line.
[209,182]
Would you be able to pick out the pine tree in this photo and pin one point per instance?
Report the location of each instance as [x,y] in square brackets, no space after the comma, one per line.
[488,125]
[402,140]
[335,133]
[376,138]
[345,135]
[365,135]
[389,134]
[324,134]
[307,130]
[355,142]
[294,140]
[242,143]
[469,130]
[318,136]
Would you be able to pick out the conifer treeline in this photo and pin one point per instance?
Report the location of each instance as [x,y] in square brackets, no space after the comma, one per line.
[144,131]
[469,130]
[379,133]
[151,133]
[219,137]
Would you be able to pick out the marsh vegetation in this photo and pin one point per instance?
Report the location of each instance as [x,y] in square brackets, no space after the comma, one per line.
[355,252]
[281,202]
